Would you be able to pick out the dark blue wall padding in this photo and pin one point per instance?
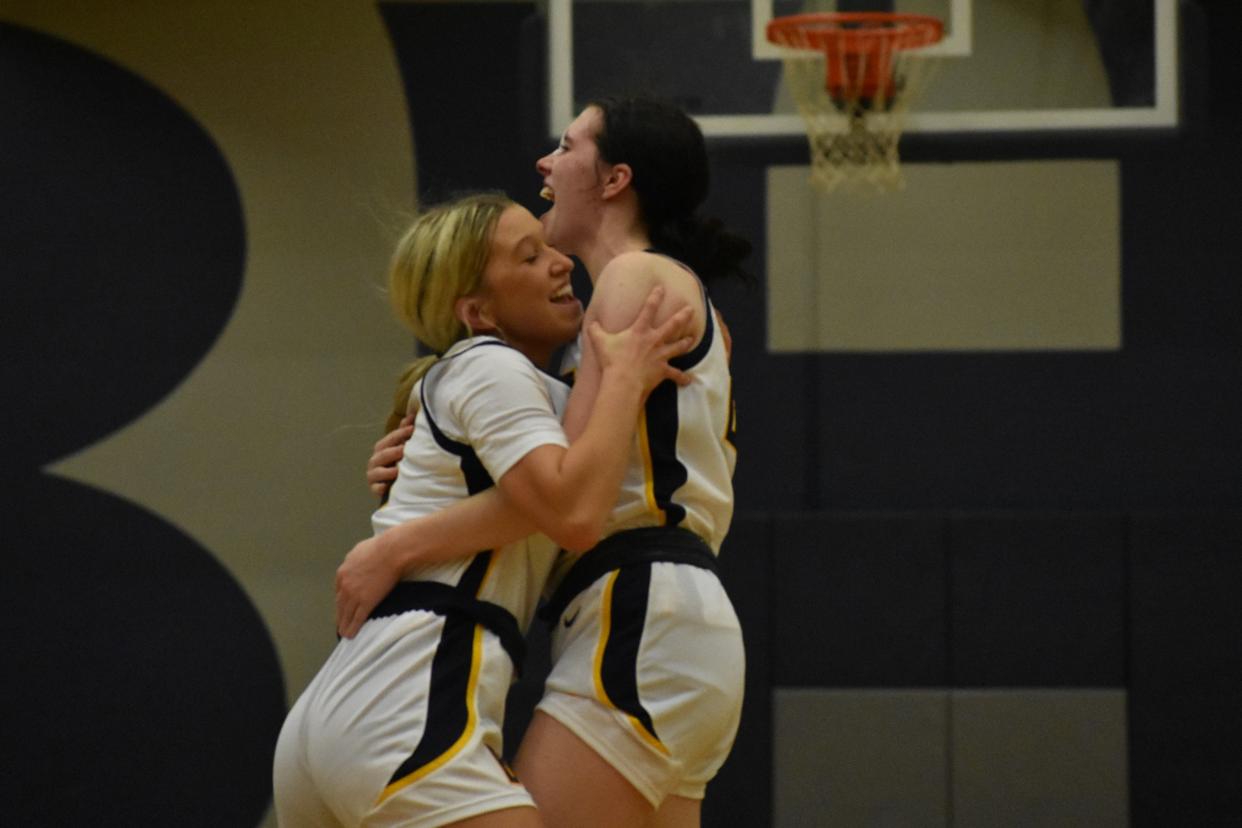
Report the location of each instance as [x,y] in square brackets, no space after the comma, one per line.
[141,686]
[123,245]
[859,602]
[1185,666]
[741,793]
[475,95]
[1037,601]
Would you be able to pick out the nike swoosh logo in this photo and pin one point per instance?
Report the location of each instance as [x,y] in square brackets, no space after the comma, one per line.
[570,619]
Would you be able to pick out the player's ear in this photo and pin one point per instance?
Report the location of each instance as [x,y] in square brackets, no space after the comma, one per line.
[618,179]
[475,312]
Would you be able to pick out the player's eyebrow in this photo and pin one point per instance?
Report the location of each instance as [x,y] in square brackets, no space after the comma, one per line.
[530,239]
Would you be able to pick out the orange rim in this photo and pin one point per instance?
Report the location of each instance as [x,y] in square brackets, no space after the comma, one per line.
[854,32]
[858,47]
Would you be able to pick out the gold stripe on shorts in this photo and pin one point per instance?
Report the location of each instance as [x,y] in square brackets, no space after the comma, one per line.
[418,766]
[632,708]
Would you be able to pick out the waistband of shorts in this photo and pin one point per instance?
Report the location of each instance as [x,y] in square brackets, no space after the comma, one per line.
[653,544]
[443,599]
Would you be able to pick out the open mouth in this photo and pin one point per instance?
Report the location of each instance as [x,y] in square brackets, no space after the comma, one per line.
[564,296]
[546,193]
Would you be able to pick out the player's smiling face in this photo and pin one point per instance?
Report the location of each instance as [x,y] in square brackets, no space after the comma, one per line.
[572,181]
[526,296]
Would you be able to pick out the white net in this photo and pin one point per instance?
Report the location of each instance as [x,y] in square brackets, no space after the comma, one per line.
[853,93]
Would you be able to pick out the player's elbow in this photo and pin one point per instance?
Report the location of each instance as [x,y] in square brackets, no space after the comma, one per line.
[579,532]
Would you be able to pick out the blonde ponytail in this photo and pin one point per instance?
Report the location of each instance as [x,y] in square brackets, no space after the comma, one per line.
[402,404]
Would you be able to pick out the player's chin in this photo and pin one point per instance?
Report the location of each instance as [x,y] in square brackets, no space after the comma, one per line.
[553,232]
[567,307]
[568,316]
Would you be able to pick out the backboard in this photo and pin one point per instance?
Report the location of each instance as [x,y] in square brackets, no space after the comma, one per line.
[1006,65]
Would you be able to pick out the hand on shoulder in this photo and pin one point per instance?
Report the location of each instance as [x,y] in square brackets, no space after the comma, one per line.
[624,284]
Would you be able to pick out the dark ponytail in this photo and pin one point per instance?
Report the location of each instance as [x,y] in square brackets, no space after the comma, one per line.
[705,245]
[665,150]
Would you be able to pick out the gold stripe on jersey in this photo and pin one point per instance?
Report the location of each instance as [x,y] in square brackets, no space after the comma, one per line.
[472,719]
[605,620]
[605,629]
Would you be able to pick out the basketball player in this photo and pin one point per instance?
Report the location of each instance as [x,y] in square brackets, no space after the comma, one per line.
[402,725]
[642,703]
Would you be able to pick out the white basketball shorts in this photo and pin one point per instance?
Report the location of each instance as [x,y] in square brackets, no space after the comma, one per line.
[648,669]
[402,726]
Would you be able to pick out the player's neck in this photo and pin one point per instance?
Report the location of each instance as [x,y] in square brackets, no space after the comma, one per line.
[617,234]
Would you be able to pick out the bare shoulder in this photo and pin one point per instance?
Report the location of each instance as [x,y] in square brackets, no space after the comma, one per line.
[624,283]
[635,270]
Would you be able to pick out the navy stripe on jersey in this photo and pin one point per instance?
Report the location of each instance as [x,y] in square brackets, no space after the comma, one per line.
[477,478]
[472,579]
[448,712]
[692,357]
[619,665]
[472,469]
[695,355]
[667,472]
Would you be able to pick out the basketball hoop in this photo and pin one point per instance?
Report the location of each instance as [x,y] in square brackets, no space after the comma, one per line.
[854,93]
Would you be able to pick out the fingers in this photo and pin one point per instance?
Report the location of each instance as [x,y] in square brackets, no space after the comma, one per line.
[380,477]
[676,347]
[382,474]
[397,436]
[671,350]
[355,623]
[351,609]
[345,626]
[382,467]
[677,325]
[678,376]
[678,320]
[351,613]
[651,305]
[598,336]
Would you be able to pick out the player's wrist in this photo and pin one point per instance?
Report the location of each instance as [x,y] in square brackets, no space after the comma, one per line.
[624,377]
[397,549]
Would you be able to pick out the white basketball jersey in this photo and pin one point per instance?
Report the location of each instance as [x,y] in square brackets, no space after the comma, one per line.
[681,465]
[483,407]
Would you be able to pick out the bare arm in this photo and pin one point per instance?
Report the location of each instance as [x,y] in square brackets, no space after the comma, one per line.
[371,569]
[382,466]
[566,493]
